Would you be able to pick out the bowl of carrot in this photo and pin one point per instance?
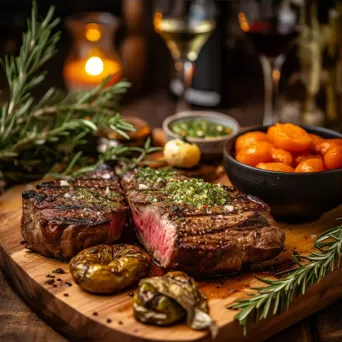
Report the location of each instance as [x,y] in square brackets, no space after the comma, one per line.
[296,170]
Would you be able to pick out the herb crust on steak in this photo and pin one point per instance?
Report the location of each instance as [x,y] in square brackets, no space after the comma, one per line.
[197,227]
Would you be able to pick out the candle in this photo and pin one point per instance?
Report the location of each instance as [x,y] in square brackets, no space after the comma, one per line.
[92,57]
[85,74]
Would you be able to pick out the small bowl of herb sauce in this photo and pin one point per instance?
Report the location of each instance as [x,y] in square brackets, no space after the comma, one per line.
[209,130]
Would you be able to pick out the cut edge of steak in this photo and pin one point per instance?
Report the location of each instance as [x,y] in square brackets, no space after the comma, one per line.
[210,241]
[61,218]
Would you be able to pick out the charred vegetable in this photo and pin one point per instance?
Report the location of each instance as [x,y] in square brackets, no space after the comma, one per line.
[167,299]
[151,307]
[108,269]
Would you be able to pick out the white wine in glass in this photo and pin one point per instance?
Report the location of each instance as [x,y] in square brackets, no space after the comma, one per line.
[185,26]
[184,41]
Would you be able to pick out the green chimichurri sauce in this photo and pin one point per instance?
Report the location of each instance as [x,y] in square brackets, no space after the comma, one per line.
[196,193]
[200,128]
[150,175]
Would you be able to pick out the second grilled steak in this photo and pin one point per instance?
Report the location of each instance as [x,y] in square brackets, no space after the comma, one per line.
[197,227]
[63,217]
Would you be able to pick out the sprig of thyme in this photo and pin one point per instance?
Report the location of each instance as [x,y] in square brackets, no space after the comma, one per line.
[278,294]
[34,135]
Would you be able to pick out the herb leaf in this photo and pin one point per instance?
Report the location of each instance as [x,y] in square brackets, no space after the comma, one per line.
[34,135]
[279,293]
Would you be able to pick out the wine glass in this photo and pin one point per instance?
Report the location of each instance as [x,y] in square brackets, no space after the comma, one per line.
[185,25]
[271,25]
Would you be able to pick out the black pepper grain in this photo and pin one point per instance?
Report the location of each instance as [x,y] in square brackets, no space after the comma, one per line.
[120,323]
[54,285]
[50,281]
[50,276]
[109,320]
[59,279]
[65,294]
[95,313]
[67,284]
[22,242]
[58,270]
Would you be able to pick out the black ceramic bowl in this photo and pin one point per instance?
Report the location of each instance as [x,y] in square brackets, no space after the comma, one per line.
[291,196]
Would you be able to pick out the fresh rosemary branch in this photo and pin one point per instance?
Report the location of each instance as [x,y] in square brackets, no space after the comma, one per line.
[35,135]
[38,46]
[278,294]
[123,155]
[128,157]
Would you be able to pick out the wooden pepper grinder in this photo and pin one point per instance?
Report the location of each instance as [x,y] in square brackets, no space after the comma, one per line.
[133,47]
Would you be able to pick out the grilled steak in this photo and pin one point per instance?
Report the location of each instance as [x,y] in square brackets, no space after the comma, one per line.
[197,227]
[63,217]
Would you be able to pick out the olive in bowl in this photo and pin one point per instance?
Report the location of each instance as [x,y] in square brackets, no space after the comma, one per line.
[292,196]
[208,130]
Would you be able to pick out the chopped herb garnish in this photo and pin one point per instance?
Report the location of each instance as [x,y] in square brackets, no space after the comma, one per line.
[193,192]
[90,198]
[197,193]
[150,175]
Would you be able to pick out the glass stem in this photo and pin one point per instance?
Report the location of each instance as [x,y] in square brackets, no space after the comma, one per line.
[271,70]
[184,73]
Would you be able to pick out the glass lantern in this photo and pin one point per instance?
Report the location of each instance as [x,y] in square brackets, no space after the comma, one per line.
[92,57]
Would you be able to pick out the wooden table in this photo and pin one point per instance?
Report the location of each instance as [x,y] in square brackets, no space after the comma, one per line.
[19,323]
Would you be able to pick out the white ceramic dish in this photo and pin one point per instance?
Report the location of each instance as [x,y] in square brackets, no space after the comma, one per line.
[210,147]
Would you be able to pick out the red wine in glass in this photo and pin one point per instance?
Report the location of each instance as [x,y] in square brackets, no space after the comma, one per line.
[271,25]
[268,40]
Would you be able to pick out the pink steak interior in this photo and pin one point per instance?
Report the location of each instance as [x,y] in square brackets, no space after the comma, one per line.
[156,233]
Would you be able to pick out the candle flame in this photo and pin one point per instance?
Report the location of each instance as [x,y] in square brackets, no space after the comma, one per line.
[94,66]
[93,32]
[276,75]
[157,19]
[243,22]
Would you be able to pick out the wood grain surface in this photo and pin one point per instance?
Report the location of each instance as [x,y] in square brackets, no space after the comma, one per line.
[19,323]
[82,315]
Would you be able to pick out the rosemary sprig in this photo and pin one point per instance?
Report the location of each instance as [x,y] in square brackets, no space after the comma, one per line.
[278,294]
[127,157]
[34,135]
[38,46]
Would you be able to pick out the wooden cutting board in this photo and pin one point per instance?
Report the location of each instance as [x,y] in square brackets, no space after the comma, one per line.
[79,314]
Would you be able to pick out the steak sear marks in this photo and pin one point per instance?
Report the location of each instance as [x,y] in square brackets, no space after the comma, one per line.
[63,217]
[200,239]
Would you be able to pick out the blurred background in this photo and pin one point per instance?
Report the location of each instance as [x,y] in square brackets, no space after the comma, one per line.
[227,75]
